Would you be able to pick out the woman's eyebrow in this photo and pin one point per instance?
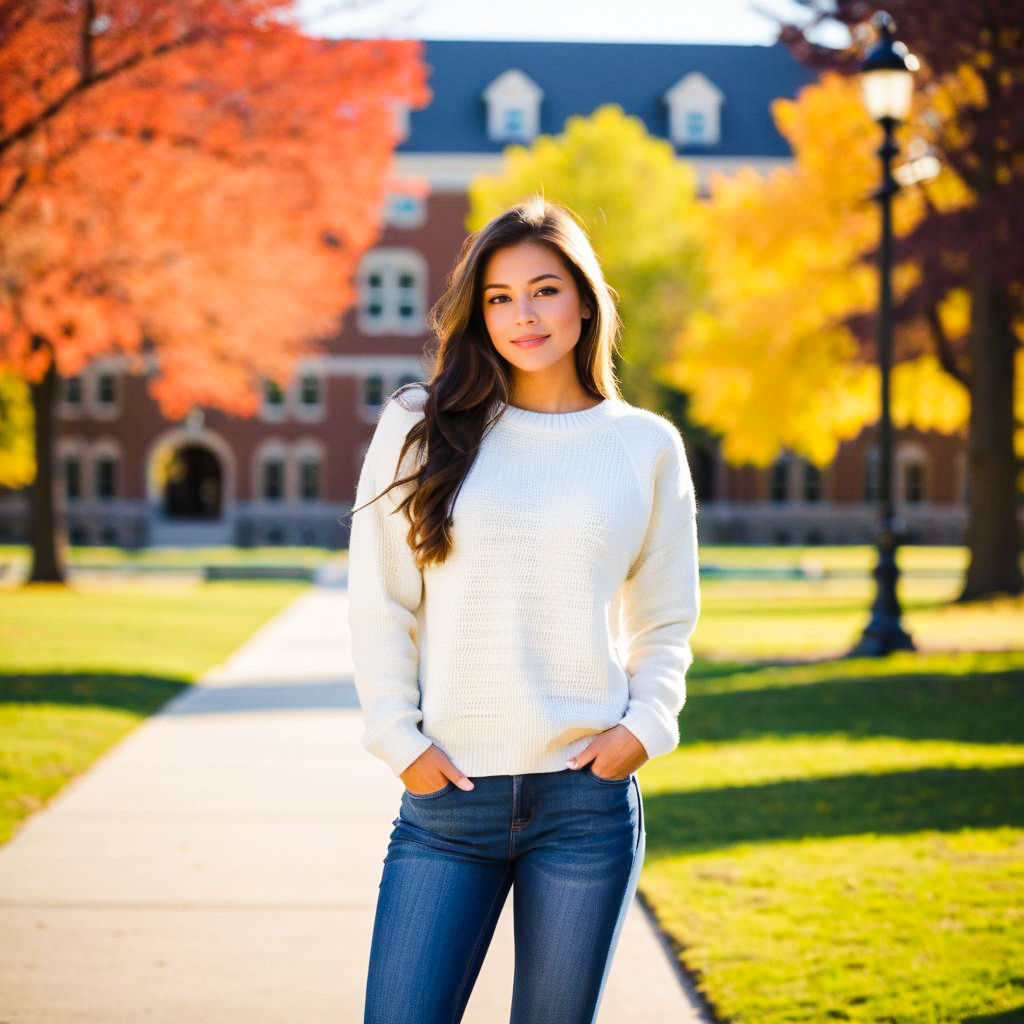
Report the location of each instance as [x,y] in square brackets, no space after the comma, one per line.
[532,280]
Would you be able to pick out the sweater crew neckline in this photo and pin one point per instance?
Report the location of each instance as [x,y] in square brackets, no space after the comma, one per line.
[558,422]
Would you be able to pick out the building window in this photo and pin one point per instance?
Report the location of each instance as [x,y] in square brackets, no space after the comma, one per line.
[373,295]
[373,390]
[73,390]
[405,211]
[273,479]
[408,306]
[106,389]
[72,477]
[513,102]
[913,482]
[696,125]
[309,478]
[392,284]
[695,110]
[514,125]
[105,483]
[812,482]
[272,394]
[779,482]
[309,391]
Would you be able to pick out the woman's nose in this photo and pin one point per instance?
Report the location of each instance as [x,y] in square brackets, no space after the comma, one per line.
[525,311]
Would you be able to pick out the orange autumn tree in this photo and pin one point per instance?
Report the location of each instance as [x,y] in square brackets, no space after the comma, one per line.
[187,184]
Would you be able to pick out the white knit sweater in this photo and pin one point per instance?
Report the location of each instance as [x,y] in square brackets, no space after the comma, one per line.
[565,607]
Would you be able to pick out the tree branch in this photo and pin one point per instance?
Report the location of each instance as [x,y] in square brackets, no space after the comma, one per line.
[943,349]
[19,183]
[97,78]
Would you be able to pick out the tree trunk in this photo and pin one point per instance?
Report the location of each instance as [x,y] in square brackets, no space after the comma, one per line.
[993,535]
[47,533]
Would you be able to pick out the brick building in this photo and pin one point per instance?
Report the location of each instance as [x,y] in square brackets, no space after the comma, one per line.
[130,477]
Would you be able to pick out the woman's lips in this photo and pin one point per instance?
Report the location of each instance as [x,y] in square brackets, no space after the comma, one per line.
[532,342]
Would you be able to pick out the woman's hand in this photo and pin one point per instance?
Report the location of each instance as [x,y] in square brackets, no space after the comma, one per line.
[616,753]
[430,771]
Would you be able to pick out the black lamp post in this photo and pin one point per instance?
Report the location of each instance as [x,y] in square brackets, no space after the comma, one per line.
[887,84]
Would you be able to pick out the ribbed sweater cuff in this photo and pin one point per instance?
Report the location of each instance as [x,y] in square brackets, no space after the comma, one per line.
[651,730]
[399,746]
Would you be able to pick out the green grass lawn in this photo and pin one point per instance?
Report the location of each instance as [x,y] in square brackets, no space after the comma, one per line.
[842,839]
[835,839]
[19,554]
[81,666]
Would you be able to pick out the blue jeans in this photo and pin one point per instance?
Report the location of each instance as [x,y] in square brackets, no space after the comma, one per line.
[572,843]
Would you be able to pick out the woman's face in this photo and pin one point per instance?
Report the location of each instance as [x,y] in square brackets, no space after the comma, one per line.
[527,292]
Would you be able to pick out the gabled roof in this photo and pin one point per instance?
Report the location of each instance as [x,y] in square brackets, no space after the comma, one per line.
[576,78]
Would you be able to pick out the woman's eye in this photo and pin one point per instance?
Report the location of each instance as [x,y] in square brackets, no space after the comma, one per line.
[546,288]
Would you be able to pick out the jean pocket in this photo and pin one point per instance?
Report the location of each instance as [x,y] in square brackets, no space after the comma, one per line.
[591,774]
[431,796]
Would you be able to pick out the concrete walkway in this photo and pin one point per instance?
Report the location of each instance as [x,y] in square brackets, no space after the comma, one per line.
[221,863]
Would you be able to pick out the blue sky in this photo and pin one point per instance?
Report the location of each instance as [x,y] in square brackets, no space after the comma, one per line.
[662,21]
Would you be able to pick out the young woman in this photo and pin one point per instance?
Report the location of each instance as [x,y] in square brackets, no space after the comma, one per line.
[522,592]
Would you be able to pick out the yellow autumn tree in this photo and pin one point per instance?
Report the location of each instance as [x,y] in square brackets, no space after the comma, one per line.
[639,204]
[17,459]
[769,361]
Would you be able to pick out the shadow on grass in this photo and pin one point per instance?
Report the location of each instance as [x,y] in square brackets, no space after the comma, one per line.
[752,700]
[146,695]
[977,700]
[890,803]
[139,694]
[1014,1016]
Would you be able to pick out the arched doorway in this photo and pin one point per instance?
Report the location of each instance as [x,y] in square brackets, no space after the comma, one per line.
[194,485]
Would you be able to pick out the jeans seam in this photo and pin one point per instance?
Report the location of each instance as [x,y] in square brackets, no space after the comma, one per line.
[476,944]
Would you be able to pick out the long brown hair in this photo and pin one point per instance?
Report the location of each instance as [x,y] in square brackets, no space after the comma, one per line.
[471,383]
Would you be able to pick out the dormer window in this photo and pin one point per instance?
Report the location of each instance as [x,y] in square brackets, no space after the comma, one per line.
[694,111]
[513,107]
[696,126]
[515,123]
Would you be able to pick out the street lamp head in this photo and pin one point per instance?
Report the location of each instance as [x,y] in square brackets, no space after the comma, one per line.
[887,74]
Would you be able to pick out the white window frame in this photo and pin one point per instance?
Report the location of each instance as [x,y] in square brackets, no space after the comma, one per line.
[73,410]
[908,453]
[316,413]
[91,384]
[270,448]
[404,210]
[303,449]
[391,263]
[270,413]
[694,93]
[513,90]
[106,448]
[390,383]
[73,447]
